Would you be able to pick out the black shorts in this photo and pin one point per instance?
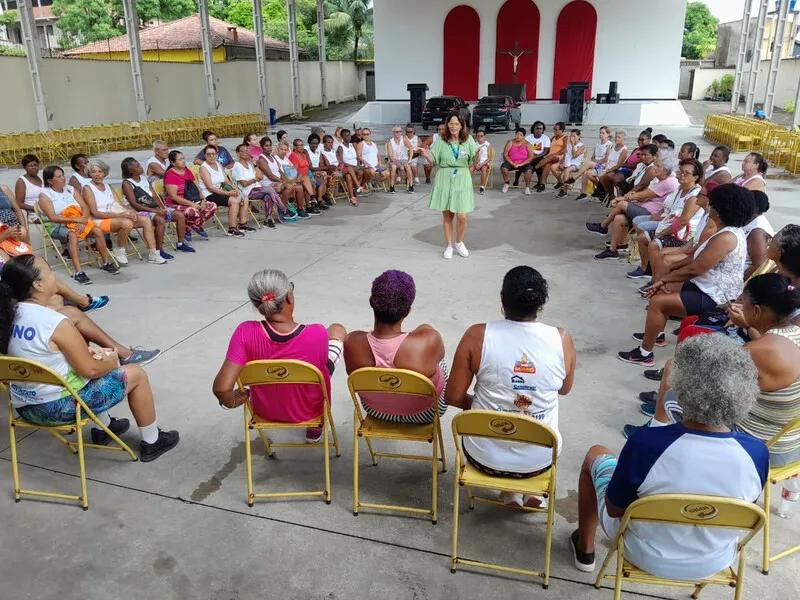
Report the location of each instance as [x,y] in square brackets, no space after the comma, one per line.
[695,301]
[218,199]
[635,210]
[527,168]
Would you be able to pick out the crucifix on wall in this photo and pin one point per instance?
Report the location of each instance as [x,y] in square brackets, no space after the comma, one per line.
[515,54]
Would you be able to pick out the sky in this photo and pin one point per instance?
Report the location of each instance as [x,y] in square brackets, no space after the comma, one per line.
[726,10]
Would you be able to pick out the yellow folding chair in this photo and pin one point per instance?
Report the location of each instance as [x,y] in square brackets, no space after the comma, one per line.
[29,371]
[507,427]
[49,242]
[279,372]
[372,382]
[490,178]
[777,474]
[690,511]
[124,203]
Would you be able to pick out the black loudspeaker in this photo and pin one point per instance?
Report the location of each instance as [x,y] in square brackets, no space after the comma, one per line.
[562,97]
[416,100]
[613,95]
[602,99]
[576,93]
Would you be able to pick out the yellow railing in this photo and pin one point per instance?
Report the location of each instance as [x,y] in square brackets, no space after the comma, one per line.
[60,144]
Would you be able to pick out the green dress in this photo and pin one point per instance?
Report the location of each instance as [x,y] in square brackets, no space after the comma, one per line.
[452,187]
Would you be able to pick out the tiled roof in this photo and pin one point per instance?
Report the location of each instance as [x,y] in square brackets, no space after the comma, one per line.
[43,12]
[183,34]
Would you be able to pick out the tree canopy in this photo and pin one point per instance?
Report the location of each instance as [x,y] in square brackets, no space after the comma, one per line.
[699,31]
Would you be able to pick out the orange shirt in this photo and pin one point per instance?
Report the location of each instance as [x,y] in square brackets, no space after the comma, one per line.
[557,146]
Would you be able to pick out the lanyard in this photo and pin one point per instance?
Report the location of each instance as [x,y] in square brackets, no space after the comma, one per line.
[456,151]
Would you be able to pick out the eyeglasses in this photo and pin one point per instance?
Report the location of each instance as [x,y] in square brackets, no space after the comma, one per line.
[396,131]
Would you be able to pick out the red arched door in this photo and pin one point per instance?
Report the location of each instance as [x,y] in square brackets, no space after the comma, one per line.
[575,38]
[462,35]
[518,31]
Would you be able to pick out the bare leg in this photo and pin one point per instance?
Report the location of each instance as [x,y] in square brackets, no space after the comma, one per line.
[619,231]
[528,177]
[428,168]
[661,413]
[100,242]
[505,174]
[180,225]
[146,225]
[484,175]
[92,332]
[233,212]
[461,225]
[140,395]
[159,227]
[74,251]
[617,210]
[588,518]
[123,228]
[337,332]
[448,217]
[644,249]
[66,292]
[661,307]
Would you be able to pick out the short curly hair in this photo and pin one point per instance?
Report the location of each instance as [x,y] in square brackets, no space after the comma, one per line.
[735,205]
[715,379]
[524,293]
[393,293]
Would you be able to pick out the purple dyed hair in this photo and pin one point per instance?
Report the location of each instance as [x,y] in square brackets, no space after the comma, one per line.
[393,293]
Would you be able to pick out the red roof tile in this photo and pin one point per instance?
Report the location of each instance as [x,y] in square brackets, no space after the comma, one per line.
[183,34]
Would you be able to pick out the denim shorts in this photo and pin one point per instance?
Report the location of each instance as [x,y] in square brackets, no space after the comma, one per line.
[99,394]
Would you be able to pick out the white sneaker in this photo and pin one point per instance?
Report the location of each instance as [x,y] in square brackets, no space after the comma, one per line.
[527,191]
[505,188]
[154,257]
[120,255]
[448,252]
[482,190]
[416,179]
[461,249]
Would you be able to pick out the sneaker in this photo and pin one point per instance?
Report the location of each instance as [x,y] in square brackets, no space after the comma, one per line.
[597,228]
[581,196]
[661,339]
[654,374]
[540,187]
[246,227]
[583,561]
[427,181]
[165,255]
[201,232]
[154,258]
[645,287]
[505,188]
[188,236]
[635,356]
[166,441]
[120,255]
[511,499]
[561,194]
[648,397]
[462,250]
[314,211]
[110,268]
[314,435]
[184,247]
[95,303]
[140,356]
[117,427]
[353,202]
[557,186]
[607,255]
[629,430]
[270,224]
[292,207]
[448,253]
[235,232]
[301,214]
[410,189]
[391,189]
[329,201]
[482,190]
[637,273]
[623,250]
[527,191]
[570,181]
[648,410]
[416,179]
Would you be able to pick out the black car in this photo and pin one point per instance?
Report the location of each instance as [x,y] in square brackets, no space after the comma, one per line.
[501,111]
[438,108]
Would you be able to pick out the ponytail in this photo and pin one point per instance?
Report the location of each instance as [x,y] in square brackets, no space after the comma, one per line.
[18,276]
[775,292]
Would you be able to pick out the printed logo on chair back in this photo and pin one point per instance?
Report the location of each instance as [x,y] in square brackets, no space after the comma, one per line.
[19,369]
[390,382]
[502,426]
[277,372]
[699,511]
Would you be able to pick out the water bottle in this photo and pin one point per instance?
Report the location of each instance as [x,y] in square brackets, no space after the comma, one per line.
[790,494]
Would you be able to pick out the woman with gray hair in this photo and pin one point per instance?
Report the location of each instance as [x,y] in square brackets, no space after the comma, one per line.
[115,218]
[278,336]
[716,384]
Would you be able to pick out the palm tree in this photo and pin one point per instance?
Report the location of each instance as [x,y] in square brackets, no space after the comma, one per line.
[346,17]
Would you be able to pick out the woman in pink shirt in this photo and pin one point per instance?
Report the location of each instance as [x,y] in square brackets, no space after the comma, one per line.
[388,346]
[278,336]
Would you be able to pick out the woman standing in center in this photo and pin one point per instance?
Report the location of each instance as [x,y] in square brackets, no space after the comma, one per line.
[452,189]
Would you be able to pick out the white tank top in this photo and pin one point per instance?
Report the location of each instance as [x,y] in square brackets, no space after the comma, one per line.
[414,141]
[333,160]
[32,192]
[61,200]
[369,153]
[638,179]
[80,178]
[30,338]
[483,152]
[273,166]
[521,371]
[217,178]
[349,156]
[154,160]
[600,151]
[724,281]
[674,205]
[399,150]
[570,160]
[314,157]
[105,199]
[712,171]
[142,184]
[613,156]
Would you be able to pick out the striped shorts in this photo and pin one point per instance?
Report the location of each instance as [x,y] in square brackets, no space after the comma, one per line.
[602,470]
[422,418]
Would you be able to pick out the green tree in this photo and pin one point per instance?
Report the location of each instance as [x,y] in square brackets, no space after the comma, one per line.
[344,16]
[9,17]
[699,31]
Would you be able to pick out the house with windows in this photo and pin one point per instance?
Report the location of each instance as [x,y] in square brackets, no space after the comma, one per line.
[49,35]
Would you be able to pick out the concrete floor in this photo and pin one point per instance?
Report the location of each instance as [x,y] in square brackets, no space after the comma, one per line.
[180,527]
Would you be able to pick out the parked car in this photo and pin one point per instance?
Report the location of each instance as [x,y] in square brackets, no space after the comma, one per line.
[502,111]
[438,108]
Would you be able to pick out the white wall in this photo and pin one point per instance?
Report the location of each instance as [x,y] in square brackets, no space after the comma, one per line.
[703,78]
[618,57]
[785,86]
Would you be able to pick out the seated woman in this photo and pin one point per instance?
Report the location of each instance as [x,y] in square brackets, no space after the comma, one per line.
[482,164]
[689,151]
[520,366]
[517,156]
[29,185]
[754,168]
[710,277]
[717,385]
[642,202]
[678,220]
[141,197]
[184,195]
[80,171]
[67,220]
[274,180]
[758,234]
[252,182]
[214,188]
[398,153]
[610,180]
[253,147]
[573,158]
[277,337]
[347,155]
[26,290]
[388,347]
[291,176]
[607,155]
[12,216]
[223,155]
[302,162]
[717,171]
[114,218]
[324,174]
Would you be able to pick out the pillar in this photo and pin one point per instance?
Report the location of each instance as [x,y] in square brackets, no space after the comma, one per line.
[294,58]
[132,27]
[741,59]
[755,64]
[261,67]
[323,76]
[33,52]
[777,55]
[208,57]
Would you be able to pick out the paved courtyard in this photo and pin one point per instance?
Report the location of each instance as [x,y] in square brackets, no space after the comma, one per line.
[180,527]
